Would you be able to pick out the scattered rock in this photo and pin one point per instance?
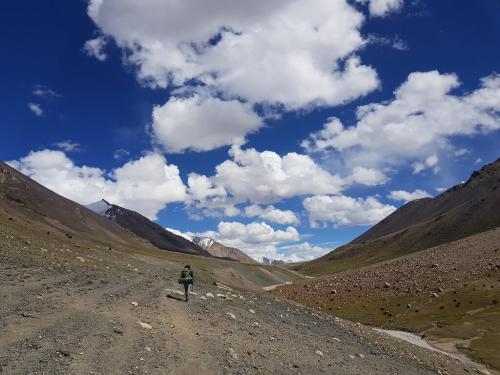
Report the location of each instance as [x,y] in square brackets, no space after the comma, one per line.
[319,352]
[231,315]
[118,331]
[64,353]
[387,285]
[81,259]
[252,311]
[232,353]
[210,295]
[133,303]
[145,325]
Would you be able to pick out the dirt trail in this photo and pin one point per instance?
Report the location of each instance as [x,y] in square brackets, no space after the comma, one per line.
[186,333]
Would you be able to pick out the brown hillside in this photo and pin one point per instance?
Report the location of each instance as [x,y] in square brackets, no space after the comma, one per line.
[219,250]
[154,233]
[20,196]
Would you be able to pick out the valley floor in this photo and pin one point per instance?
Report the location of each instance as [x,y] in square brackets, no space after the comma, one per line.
[69,311]
[450,294]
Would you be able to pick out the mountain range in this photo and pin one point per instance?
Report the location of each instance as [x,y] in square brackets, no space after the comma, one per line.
[145,228]
[219,250]
[463,210]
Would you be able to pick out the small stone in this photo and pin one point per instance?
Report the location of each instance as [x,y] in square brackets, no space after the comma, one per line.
[231,315]
[147,348]
[118,331]
[145,325]
[360,355]
[252,311]
[64,353]
[81,259]
[387,285]
[210,295]
[232,353]
[319,352]
[133,303]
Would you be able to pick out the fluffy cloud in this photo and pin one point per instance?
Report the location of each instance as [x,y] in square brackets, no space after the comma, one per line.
[367,176]
[415,125]
[36,109]
[402,195]
[261,240]
[381,8]
[202,124]
[145,185]
[301,252]
[430,162]
[95,48]
[270,213]
[257,239]
[345,211]
[262,51]
[266,177]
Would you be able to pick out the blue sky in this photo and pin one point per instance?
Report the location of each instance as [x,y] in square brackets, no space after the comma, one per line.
[284,128]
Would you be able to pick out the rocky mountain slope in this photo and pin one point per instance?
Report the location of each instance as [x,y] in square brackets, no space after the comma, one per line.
[465,209]
[219,250]
[21,198]
[145,228]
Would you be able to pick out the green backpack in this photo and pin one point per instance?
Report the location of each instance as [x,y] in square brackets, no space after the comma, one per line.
[185,277]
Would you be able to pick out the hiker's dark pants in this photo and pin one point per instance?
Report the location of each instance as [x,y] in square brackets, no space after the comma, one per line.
[186,290]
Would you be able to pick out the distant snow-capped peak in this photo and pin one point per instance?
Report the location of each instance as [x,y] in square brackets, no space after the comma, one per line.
[204,242]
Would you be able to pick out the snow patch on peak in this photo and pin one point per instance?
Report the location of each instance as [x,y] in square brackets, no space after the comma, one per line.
[99,207]
[203,242]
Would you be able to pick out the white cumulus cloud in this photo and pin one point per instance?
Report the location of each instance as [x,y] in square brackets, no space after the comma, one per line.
[260,178]
[381,8]
[262,51]
[406,196]
[145,185]
[271,213]
[416,125]
[202,123]
[301,252]
[257,239]
[95,48]
[345,211]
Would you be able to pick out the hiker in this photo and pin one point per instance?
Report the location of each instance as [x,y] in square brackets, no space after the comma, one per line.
[186,279]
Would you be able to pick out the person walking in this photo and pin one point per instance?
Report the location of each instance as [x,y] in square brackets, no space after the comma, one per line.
[187,280]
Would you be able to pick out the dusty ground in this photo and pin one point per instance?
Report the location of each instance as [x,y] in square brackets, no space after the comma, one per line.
[67,309]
